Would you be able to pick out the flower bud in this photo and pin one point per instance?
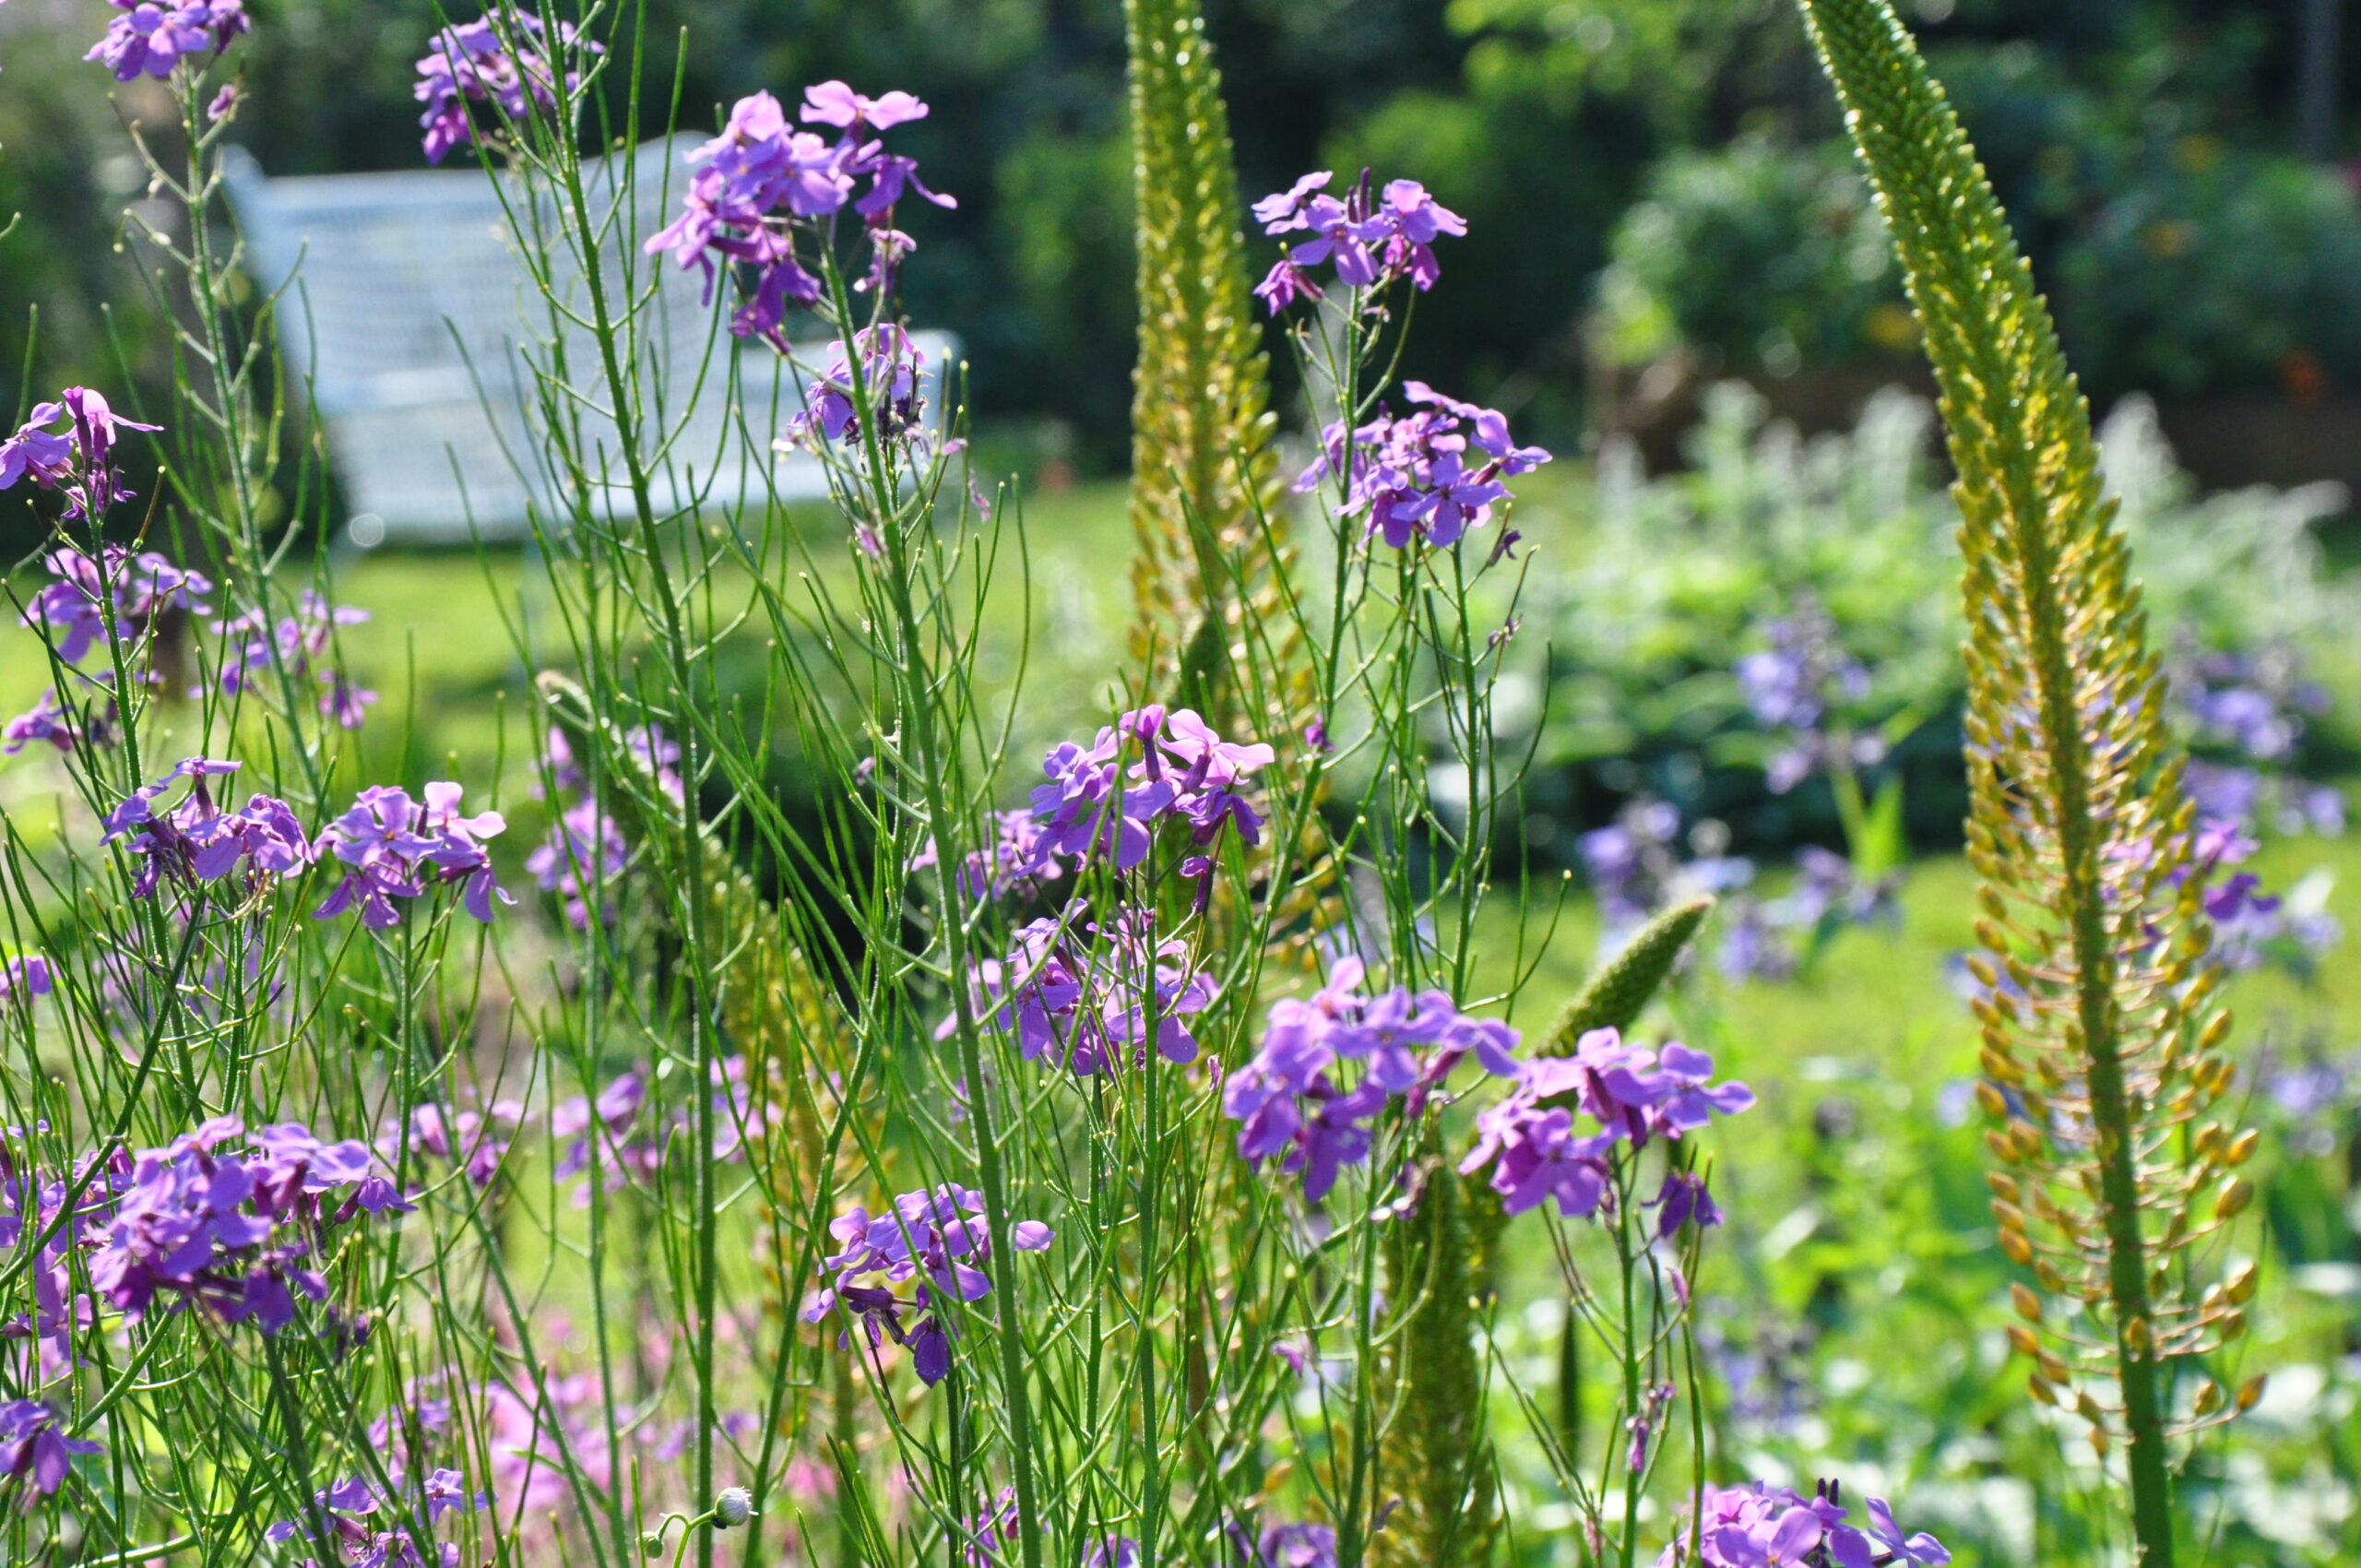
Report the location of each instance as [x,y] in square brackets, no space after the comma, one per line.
[733,1508]
[651,1544]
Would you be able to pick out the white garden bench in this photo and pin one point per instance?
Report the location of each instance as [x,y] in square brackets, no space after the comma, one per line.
[407,316]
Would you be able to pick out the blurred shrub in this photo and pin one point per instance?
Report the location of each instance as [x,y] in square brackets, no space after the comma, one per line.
[2214,269]
[1664,583]
[1762,256]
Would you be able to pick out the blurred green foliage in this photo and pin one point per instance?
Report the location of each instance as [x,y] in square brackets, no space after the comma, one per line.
[1671,160]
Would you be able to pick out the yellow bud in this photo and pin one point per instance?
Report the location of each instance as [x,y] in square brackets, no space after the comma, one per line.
[2250,1393]
[2021,1339]
[2017,1250]
[1988,1096]
[2241,1148]
[1990,935]
[2234,1199]
[2008,1215]
[2028,1305]
[2051,1280]
[2003,1147]
[2089,1409]
[2100,1442]
[1981,968]
[2231,1325]
[2135,1335]
[2003,1185]
[2053,1368]
[2241,1284]
[2209,1398]
[2208,1139]
[2036,1105]
[2040,1390]
[2216,1030]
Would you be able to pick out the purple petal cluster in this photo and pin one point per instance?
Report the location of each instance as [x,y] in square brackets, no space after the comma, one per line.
[935,1237]
[138,588]
[1306,1545]
[1766,1527]
[1371,239]
[231,1230]
[1537,1150]
[1795,685]
[1147,768]
[1431,475]
[476,1142]
[370,1529]
[1291,1099]
[584,849]
[761,179]
[1079,1001]
[497,62]
[631,1145]
[393,846]
[47,722]
[78,460]
[1015,859]
[196,841]
[890,374]
[35,1453]
[296,643]
[149,39]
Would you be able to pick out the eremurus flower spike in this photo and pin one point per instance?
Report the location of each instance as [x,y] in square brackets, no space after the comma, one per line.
[2098,1043]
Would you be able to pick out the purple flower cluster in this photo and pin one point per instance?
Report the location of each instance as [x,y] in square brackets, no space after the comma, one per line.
[231,1230]
[1760,936]
[137,589]
[1430,475]
[1371,239]
[584,849]
[34,1452]
[1147,767]
[1289,1099]
[2251,926]
[369,1529]
[393,846]
[930,1236]
[2248,712]
[1083,1005]
[1766,1527]
[476,1142]
[149,39]
[1795,685]
[1536,1153]
[631,1146]
[890,374]
[196,840]
[761,178]
[78,460]
[296,643]
[497,62]
[1015,860]
[1283,1545]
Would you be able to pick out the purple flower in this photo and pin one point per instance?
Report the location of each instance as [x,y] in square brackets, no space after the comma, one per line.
[1179,768]
[1431,475]
[139,589]
[45,722]
[1884,1543]
[585,848]
[1112,1552]
[1369,241]
[890,371]
[1535,1153]
[33,1451]
[931,1235]
[760,179]
[152,37]
[1688,1100]
[1792,687]
[224,104]
[496,61]
[195,841]
[395,847]
[1289,1101]
[1078,1004]
[1683,1198]
[87,476]
[350,1509]
[228,1230]
[1297,1546]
